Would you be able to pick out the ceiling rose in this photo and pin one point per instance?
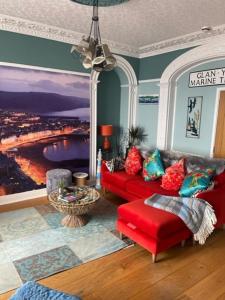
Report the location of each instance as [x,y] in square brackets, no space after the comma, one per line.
[100,2]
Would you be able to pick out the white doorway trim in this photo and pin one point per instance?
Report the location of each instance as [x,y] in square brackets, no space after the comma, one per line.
[181,64]
[132,103]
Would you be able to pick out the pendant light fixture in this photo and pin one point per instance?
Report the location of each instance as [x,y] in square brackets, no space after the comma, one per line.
[93,53]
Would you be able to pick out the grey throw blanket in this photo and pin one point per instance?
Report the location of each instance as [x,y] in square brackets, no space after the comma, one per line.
[197,214]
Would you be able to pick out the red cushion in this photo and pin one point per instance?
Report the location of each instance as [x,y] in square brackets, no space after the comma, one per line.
[133,162]
[144,189]
[174,176]
[118,178]
[154,222]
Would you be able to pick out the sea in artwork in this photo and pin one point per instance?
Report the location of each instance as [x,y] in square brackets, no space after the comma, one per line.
[44,124]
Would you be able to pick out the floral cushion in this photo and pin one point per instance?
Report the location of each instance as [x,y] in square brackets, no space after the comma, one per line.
[196,181]
[153,167]
[133,161]
[174,176]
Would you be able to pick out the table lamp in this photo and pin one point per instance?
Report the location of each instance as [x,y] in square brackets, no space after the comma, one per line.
[106,131]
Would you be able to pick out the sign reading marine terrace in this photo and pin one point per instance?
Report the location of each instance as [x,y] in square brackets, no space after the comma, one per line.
[207,78]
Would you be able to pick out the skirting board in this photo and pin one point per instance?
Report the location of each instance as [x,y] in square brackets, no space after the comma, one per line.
[19,197]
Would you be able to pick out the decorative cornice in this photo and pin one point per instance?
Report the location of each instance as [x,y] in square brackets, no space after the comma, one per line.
[37,29]
[189,40]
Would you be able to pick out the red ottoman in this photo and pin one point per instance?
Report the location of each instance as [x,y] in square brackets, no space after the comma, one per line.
[154,229]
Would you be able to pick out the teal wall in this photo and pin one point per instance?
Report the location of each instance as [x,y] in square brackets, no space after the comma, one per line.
[147,114]
[135,63]
[202,145]
[152,67]
[108,103]
[29,50]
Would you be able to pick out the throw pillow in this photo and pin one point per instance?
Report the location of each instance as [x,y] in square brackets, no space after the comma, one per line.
[210,188]
[153,167]
[196,181]
[174,175]
[115,164]
[133,161]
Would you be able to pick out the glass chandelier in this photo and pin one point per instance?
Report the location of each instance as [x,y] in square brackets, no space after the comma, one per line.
[93,53]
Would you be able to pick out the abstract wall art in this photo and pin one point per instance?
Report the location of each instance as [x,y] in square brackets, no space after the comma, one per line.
[151,99]
[194,111]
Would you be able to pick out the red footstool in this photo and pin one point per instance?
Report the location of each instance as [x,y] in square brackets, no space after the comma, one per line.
[154,229]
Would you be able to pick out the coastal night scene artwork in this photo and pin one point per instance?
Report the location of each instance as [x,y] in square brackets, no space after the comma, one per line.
[44,124]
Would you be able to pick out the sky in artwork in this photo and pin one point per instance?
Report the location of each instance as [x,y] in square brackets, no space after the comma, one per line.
[14,79]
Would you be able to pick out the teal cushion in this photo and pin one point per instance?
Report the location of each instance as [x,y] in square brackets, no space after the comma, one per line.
[198,180]
[153,166]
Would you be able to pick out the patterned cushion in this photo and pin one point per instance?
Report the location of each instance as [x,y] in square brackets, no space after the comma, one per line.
[133,161]
[174,176]
[196,181]
[115,164]
[153,167]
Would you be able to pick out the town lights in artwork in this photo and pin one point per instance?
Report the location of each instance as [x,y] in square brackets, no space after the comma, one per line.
[44,124]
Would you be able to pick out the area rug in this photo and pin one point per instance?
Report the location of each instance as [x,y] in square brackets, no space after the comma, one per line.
[34,244]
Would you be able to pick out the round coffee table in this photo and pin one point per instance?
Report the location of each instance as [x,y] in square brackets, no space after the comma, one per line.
[75,211]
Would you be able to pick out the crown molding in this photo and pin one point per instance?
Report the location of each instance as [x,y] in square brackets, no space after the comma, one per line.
[37,29]
[186,41]
[41,30]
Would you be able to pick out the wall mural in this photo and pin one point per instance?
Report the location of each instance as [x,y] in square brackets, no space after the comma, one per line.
[194,110]
[44,124]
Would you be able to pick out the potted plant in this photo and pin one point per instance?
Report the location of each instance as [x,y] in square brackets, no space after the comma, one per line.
[136,136]
[61,186]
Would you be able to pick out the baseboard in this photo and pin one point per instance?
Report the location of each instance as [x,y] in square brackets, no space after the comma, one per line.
[21,197]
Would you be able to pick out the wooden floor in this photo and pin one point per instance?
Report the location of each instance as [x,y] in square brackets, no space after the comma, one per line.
[181,273]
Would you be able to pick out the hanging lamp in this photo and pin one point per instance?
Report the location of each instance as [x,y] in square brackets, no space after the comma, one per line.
[94,54]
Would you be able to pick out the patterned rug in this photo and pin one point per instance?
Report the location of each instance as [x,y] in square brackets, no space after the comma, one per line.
[34,244]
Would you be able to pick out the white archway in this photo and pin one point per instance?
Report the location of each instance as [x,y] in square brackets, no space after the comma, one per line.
[168,81]
[132,104]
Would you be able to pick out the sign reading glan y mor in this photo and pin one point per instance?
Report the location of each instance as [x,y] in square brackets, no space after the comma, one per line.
[207,78]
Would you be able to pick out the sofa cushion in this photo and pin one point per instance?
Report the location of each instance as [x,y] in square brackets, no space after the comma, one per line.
[193,162]
[152,166]
[174,175]
[154,222]
[118,178]
[143,189]
[133,163]
[196,181]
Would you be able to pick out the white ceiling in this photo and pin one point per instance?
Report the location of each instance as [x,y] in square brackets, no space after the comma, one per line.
[136,23]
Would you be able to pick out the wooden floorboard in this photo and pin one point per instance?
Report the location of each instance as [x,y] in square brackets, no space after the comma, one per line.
[181,273]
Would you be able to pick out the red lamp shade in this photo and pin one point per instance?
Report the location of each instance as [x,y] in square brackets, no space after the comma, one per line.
[106,131]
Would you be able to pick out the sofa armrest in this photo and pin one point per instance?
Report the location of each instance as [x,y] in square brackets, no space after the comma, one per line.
[216,198]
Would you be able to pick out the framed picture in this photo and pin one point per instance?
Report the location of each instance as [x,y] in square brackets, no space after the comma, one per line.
[151,99]
[194,111]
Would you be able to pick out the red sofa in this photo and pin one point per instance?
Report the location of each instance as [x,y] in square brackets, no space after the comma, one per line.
[152,228]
